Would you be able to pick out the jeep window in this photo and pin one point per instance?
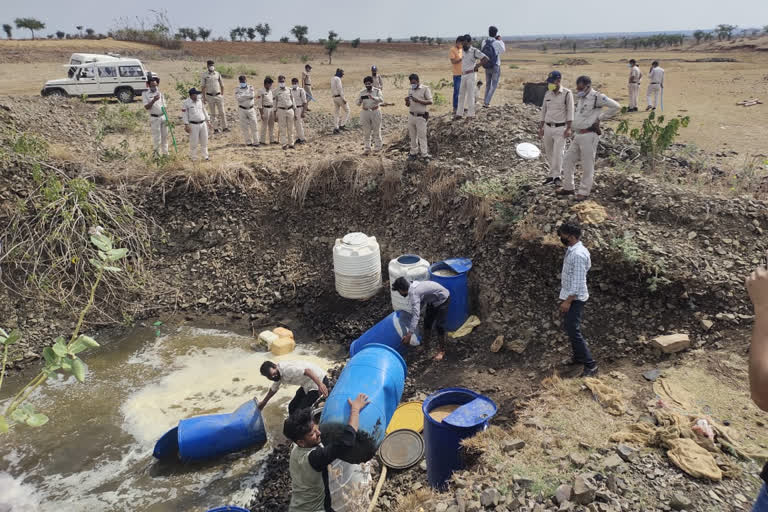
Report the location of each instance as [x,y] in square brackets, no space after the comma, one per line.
[131,71]
[88,72]
[73,69]
[107,71]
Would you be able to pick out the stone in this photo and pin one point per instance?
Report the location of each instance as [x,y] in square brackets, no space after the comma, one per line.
[497,343]
[652,375]
[513,445]
[611,462]
[474,506]
[423,465]
[577,459]
[692,235]
[522,481]
[680,502]
[563,494]
[490,497]
[672,343]
[516,346]
[583,490]
[441,507]
[626,453]
[707,324]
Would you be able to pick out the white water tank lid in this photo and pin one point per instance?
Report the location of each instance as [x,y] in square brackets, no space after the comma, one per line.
[355,239]
[528,151]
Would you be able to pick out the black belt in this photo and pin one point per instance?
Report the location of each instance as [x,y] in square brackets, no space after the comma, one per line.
[156,115]
[267,106]
[655,83]
[424,114]
[245,108]
[337,95]
[285,108]
[196,122]
[212,94]
[555,125]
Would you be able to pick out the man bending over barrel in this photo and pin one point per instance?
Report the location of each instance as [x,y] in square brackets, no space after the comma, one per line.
[437,298]
[310,378]
[310,459]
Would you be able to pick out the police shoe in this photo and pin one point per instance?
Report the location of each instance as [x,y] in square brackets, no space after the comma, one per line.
[564,192]
[226,129]
[336,131]
[589,372]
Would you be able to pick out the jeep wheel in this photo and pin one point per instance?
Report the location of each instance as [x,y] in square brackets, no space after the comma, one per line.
[124,95]
[56,93]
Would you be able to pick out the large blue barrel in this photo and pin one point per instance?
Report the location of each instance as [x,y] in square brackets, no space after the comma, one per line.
[379,372]
[389,332]
[442,440]
[458,309]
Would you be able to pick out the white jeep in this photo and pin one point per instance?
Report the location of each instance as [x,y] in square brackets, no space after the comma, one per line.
[96,76]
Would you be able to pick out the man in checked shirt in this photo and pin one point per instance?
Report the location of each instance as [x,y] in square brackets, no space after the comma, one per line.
[574,294]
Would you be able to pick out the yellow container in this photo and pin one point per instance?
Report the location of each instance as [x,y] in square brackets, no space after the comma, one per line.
[283,332]
[408,415]
[283,345]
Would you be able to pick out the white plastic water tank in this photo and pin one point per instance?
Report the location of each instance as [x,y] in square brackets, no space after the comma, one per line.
[413,268]
[357,266]
[350,486]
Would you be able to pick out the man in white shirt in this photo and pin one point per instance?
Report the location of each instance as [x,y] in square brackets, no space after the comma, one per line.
[306,84]
[635,75]
[266,105]
[213,94]
[574,294]
[555,125]
[418,99]
[370,118]
[245,95]
[300,103]
[493,45]
[310,378]
[154,103]
[285,112]
[196,123]
[437,299]
[378,81]
[655,85]
[591,108]
[471,59]
[339,102]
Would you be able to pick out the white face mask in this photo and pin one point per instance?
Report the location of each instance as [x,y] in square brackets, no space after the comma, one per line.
[414,86]
[281,84]
[581,94]
[295,86]
[211,68]
[243,85]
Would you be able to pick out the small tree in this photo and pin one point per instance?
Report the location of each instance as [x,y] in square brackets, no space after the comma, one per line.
[414,39]
[264,30]
[233,34]
[355,42]
[439,40]
[8,30]
[331,45]
[285,39]
[251,31]
[654,136]
[204,33]
[332,35]
[49,36]
[724,31]
[300,32]
[699,35]
[389,39]
[30,24]
[423,39]
[60,34]
[79,30]
[765,29]
[89,32]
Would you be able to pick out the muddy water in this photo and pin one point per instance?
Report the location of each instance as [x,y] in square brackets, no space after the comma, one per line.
[96,451]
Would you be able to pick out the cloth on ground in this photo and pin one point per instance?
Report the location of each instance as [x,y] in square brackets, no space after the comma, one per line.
[472,322]
[693,459]
[611,399]
[589,212]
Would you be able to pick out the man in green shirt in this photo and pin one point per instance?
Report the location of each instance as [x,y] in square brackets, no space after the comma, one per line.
[310,459]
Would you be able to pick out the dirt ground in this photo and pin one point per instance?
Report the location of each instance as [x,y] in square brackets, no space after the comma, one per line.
[705,91]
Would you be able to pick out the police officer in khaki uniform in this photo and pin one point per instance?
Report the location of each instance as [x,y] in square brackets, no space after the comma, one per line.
[635,76]
[212,92]
[249,127]
[196,123]
[285,112]
[154,102]
[339,102]
[418,99]
[555,125]
[378,82]
[306,84]
[266,104]
[299,97]
[370,118]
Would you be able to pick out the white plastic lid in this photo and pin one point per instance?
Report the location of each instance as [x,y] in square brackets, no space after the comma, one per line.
[528,151]
[355,239]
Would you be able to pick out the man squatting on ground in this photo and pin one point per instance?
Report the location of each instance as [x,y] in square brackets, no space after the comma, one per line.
[437,299]
[310,378]
[309,458]
[757,286]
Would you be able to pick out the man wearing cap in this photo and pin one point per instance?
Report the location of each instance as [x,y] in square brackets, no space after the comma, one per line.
[591,108]
[378,82]
[339,102]
[555,125]
[196,123]
[418,99]
[244,95]
[656,79]
[306,84]
[471,60]
[635,75]
[285,112]
[299,97]
[154,102]
[212,93]
[370,118]
[266,104]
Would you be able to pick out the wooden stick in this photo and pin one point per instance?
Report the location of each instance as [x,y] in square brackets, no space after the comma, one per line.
[378,488]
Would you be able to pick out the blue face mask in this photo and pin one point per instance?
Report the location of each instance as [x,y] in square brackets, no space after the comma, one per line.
[581,94]
[243,85]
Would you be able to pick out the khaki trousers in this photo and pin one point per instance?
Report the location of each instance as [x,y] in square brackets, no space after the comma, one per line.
[653,92]
[298,123]
[308,90]
[158,128]
[268,121]
[467,95]
[583,149]
[554,148]
[338,106]
[249,126]
[417,130]
[285,119]
[371,122]
[634,93]
[216,111]
[198,135]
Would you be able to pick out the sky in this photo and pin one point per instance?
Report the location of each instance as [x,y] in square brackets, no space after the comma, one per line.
[403,18]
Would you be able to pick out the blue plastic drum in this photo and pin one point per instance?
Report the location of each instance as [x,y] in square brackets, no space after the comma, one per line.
[452,274]
[389,332]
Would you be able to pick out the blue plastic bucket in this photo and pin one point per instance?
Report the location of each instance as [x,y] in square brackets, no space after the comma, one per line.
[389,332]
[458,309]
[379,372]
[442,440]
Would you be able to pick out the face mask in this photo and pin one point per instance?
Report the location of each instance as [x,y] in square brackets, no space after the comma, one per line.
[368,86]
[551,87]
[281,84]
[153,88]
[210,68]
[243,85]
[295,86]
[414,86]
[581,94]
[564,241]
[465,47]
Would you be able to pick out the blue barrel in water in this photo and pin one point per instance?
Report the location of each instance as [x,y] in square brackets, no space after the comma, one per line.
[452,274]
[379,372]
[442,438]
[389,332]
